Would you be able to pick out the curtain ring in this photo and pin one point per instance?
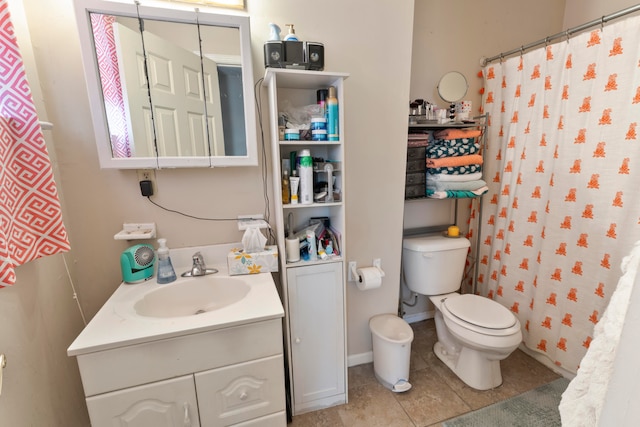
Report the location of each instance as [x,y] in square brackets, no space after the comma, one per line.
[602,24]
[501,57]
[521,50]
[567,35]
[546,41]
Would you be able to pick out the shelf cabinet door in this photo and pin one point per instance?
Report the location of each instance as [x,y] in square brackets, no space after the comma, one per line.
[170,403]
[316,310]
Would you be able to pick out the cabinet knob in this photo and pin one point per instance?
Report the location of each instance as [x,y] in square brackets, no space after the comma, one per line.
[243,395]
[187,419]
[297,340]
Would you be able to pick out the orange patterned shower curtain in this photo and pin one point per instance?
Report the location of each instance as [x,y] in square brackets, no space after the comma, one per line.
[563,166]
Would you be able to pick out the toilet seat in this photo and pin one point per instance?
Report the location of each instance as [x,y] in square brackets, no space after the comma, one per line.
[480,314]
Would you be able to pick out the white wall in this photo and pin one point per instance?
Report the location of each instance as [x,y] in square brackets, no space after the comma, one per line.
[38,319]
[454,36]
[378,60]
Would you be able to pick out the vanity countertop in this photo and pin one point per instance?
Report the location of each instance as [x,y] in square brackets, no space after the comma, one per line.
[114,327]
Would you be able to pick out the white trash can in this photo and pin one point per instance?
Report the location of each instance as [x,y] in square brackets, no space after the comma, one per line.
[392,338]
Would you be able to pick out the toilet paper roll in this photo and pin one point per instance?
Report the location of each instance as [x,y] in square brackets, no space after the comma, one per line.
[369,278]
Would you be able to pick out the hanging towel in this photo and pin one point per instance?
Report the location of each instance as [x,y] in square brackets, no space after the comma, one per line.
[30,215]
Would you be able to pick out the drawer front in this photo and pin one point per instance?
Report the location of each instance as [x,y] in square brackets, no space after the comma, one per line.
[160,404]
[273,420]
[241,392]
[415,191]
[416,165]
[416,153]
[129,366]
[416,178]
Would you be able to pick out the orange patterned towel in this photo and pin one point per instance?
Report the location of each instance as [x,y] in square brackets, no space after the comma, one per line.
[456,133]
[445,162]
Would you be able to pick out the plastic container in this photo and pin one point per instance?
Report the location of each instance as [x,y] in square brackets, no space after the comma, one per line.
[318,123]
[305,172]
[319,135]
[392,338]
[291,135]
[166,273]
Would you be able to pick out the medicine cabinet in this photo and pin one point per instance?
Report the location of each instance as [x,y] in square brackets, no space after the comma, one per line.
[168,87]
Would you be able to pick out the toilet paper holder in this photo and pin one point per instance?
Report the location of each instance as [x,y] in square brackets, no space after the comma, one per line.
[353,275]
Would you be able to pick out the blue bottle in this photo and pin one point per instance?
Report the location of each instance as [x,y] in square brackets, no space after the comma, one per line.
[166,273]
[331,104]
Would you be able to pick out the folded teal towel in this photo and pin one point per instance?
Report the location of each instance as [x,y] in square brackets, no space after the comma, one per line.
[456,194]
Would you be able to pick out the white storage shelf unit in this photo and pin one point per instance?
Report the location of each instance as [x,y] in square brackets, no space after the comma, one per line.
[327,363]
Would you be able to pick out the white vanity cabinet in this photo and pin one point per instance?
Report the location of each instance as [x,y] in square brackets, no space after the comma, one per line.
[313,290]
[226,377]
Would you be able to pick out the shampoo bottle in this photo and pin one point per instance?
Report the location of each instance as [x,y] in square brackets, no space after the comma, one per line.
[306,177]
[333,132]
[166,273]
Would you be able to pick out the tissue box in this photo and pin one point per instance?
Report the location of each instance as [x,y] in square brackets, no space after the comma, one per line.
[240,262]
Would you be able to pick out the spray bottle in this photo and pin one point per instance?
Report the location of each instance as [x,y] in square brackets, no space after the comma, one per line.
[333,131]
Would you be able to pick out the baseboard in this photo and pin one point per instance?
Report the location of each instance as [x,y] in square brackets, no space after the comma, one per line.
[360,359]
[418,317]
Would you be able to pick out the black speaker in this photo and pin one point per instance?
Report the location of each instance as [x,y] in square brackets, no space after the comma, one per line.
[314,55]
[274,54]
[294,52]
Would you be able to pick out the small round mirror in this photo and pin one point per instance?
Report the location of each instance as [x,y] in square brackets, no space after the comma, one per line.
[452,87]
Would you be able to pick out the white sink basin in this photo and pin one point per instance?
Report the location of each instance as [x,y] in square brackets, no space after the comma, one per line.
[146,311]
[192,296]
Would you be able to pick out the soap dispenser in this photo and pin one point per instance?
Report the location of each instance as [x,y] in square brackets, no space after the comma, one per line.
[291,36]
[166,273]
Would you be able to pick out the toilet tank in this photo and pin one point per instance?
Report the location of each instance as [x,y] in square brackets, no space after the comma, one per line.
[434,265]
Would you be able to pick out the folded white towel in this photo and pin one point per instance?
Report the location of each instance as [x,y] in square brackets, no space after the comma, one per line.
[462,177]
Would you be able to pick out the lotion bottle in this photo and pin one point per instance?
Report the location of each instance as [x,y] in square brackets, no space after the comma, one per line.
[291,36]
[166,273]
[333,131]
[306,177]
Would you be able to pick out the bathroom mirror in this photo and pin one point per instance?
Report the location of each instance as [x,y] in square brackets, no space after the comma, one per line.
[168,87]
[452,86]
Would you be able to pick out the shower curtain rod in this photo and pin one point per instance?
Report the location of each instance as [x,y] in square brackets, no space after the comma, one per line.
[606,18]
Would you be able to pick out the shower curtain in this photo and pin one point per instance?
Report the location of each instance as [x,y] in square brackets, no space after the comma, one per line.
[563,166]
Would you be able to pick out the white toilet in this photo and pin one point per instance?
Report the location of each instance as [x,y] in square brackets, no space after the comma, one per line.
[474,332]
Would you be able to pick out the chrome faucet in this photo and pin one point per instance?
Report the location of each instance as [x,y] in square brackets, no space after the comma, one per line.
[199,268]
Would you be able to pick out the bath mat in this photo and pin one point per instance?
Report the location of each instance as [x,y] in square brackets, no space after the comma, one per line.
[535,408]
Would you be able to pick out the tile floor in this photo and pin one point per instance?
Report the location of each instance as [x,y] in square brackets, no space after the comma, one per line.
[437,394]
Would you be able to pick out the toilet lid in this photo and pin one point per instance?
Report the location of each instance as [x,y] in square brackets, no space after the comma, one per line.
[480,311]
